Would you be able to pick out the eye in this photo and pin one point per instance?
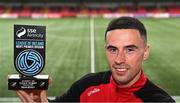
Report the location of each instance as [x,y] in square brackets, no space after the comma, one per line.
[129,50]
[112,50]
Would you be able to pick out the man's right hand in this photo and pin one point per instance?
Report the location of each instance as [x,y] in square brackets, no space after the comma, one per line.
[31,96]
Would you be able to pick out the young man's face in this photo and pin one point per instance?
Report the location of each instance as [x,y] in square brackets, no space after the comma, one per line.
[125,51]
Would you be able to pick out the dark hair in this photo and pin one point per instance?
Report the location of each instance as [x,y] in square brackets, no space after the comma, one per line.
[127,23]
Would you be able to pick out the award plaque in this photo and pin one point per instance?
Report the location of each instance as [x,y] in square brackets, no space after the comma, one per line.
[29,58]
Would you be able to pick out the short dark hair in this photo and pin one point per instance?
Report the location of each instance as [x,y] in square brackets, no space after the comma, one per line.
[127,23]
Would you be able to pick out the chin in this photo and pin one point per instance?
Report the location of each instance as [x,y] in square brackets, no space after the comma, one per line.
[120,79]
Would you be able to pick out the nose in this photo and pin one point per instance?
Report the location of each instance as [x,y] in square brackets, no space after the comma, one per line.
[120,58]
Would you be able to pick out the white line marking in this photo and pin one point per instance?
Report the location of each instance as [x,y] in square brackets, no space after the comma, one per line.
[92,45]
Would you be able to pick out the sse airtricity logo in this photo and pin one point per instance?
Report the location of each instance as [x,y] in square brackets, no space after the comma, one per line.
[21,32]
[29,62]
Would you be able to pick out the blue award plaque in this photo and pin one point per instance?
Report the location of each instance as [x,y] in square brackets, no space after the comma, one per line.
[29,58]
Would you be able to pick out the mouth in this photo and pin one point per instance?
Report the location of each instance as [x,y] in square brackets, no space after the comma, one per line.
[120,69]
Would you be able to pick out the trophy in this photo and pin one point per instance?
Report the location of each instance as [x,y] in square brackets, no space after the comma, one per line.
[29,58]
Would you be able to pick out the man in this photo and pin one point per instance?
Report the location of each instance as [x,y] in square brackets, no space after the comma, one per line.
[126,49]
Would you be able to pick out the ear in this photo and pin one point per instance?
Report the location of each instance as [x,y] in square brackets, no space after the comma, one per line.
[146,52]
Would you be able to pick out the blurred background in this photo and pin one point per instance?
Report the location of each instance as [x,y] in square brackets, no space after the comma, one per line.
[75,38]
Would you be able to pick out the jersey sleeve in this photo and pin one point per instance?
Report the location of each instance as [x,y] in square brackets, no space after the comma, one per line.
[77,88]
[71,95]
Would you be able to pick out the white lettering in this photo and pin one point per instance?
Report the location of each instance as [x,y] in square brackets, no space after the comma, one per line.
[31,30]
[95,90]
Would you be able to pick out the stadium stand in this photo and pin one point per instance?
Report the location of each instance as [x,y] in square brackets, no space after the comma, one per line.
[59,10]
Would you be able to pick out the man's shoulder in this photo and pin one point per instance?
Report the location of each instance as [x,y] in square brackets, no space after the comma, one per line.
[95,78]
[152,93]
[91,79]
[78,87]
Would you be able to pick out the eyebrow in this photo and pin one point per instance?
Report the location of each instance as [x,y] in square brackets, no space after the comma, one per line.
[132,46]
[128,46]
[109,46]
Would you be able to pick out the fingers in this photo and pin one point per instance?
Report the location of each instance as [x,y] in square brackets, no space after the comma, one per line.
[29,97]
[43,96]
[35,97]
[25,97]
[21,97]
